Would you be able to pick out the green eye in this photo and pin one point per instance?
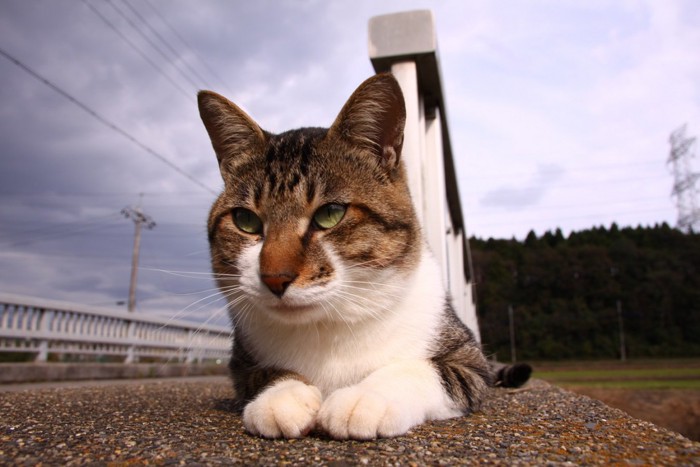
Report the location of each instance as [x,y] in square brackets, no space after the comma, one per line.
[247,221]
[329,215]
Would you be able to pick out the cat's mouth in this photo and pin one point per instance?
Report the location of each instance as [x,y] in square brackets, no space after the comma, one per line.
[295,313]
[283,307]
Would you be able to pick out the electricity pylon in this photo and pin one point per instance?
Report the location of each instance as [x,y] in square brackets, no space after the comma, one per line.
[684,180]
[140,220]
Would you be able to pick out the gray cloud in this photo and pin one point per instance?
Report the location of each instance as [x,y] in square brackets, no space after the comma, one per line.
[528,194]
[65,176]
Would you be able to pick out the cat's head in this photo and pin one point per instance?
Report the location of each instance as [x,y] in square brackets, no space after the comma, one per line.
[313,224]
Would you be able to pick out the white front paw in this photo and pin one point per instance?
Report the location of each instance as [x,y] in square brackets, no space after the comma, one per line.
[358,413]
[287,409]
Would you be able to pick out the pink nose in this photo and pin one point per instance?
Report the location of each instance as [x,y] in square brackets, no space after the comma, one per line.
[278,283]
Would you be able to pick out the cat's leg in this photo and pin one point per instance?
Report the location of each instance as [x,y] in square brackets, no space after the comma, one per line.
[391,401]
[277,403]
[285,409]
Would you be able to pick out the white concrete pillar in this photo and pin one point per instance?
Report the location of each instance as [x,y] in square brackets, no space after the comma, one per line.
[405,73]
[435,206]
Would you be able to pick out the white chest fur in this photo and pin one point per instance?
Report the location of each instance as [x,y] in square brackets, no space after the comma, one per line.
[335,353]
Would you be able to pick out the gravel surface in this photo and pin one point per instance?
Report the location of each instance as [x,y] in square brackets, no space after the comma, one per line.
[191,423]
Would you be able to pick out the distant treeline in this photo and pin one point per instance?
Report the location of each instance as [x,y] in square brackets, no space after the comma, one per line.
[564,293]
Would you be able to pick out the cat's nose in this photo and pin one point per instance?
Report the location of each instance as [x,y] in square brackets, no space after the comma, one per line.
[278,283]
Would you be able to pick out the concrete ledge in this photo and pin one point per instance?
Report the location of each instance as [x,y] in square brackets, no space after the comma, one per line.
[13,373]
[192,423]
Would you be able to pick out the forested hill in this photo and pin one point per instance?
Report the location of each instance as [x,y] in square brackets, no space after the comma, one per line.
[564,293]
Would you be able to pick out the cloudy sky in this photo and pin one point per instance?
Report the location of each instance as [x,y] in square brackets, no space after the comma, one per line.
[559,114]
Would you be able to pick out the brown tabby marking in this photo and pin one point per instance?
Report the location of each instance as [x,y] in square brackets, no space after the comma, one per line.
[288,176]
[381,350]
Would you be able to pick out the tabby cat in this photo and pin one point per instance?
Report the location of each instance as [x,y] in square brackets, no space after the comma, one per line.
[340,320]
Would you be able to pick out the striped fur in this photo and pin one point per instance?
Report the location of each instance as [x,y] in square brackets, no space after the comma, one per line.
[341,328]
[464,372]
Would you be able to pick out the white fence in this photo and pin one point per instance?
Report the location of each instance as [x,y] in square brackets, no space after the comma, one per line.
[405,45]
[44,327]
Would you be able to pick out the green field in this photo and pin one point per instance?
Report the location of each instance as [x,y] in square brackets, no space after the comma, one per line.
[648,374]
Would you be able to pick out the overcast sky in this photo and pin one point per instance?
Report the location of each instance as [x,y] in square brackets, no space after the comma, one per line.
[559,114]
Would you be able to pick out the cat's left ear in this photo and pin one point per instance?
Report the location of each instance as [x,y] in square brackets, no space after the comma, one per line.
[374,118]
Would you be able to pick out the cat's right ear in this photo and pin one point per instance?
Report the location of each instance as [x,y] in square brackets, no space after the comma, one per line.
[232,132]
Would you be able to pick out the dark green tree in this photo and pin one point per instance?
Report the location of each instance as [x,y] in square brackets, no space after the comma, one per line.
[565,293]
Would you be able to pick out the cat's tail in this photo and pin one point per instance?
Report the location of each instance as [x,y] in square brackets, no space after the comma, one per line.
[511,376]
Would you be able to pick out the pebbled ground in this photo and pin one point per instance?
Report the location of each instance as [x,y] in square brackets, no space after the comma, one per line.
[190,422]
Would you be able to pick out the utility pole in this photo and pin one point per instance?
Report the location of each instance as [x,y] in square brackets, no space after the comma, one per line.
[623,352]
[140,219]
[620,323]
[512,333]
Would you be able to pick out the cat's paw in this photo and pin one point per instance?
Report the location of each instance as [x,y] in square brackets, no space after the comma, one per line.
[358,413]
[287,409]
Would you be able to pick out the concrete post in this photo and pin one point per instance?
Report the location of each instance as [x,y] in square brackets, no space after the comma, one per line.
[44,321]
[131,351]
[405,45]
[405,74]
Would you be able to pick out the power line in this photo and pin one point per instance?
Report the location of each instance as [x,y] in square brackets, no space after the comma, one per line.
[116,260]
[63,259]
[508,218]
[493,173]
[49,236]
[535,185]
[103,194]
[139,51]
[548,208]
[104,121]
[59,227]
[166,43]
[472,190]
[188,46]
[155,46]
[597,167]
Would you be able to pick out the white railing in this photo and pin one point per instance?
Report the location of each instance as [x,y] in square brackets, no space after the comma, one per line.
[44,327]
[405,45]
